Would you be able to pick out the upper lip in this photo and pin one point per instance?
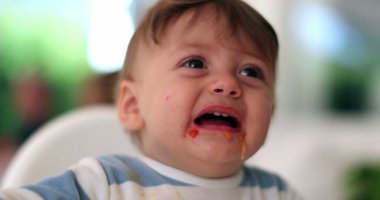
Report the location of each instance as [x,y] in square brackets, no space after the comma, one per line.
[223,110]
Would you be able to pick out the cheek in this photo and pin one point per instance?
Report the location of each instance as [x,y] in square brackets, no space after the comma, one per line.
[173,110]
[258,122]
[260,105]
[255,138]
[175,98]
[168,100]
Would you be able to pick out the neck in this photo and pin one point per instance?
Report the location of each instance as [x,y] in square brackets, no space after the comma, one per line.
[190,178]
[203,168]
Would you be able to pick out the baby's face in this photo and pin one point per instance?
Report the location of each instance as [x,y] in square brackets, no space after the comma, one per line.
[206,102]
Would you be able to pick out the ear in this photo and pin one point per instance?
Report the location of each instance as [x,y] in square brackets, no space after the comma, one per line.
[127,106]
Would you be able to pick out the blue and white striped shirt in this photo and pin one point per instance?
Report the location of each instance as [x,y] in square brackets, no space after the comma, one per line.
[126,178]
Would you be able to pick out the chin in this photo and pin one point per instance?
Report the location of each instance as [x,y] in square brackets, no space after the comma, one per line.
[219,155]
[217,167]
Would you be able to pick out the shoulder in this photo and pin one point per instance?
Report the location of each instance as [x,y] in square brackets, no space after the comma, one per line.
[116,169]
[270,183]
[254,176]
[75,183]
[121,169]
[90,178]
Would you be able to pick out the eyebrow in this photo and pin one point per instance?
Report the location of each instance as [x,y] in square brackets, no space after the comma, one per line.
[194,45]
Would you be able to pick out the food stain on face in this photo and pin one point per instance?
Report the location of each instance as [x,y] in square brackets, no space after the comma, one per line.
[227,135]
[243,150]
[243,145]
[194,133]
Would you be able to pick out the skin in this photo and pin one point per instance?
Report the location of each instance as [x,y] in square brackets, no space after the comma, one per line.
[166,95]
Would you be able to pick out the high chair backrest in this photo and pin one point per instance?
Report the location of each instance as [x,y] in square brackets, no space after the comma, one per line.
[90,131]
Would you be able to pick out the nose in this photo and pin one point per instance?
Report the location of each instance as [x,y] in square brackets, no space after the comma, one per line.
[227,87]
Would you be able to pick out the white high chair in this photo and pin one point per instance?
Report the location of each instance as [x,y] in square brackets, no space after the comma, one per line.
[311,155]
[62,142]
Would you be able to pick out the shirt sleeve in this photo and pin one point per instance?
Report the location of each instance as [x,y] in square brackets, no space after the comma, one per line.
[83,181]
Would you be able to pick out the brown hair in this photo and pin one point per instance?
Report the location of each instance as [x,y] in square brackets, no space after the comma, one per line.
[240,18]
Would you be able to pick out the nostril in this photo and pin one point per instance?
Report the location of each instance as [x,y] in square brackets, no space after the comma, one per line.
[218,90]
[233,93]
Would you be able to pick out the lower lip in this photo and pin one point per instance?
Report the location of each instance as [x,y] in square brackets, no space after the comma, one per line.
[218,128]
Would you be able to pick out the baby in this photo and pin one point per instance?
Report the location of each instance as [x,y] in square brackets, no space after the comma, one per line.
[197,93]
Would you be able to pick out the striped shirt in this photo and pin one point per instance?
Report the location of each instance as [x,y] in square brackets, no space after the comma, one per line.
[126,178]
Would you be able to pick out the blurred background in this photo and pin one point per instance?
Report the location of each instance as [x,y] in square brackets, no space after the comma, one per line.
[56,56]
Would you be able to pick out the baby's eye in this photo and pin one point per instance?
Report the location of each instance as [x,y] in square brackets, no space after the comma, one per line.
[253,72]
[195,63]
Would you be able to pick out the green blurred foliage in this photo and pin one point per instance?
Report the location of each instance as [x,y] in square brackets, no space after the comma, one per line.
[363,182]
[349,86]
[40,43]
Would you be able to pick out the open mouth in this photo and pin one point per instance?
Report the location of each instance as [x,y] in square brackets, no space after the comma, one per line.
[217,119]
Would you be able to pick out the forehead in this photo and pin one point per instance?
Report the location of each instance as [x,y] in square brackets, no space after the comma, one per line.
[200,28]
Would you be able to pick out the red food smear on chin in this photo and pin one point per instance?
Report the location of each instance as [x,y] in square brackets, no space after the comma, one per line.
[194,133]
